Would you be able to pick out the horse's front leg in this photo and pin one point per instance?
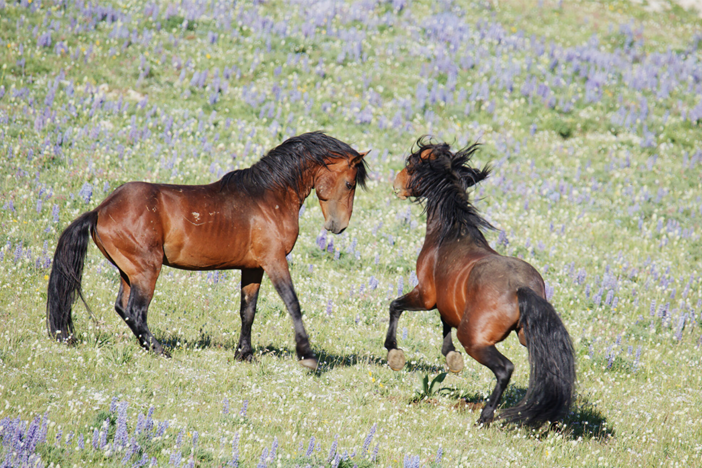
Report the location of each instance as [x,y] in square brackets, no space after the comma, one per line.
[454,360]
[250,285]
[410,301]
[280,277]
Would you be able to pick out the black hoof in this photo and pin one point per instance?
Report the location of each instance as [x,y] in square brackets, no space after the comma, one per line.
[485,420]
[245,357]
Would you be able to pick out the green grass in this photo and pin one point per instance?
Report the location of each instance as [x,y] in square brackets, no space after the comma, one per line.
[579,194]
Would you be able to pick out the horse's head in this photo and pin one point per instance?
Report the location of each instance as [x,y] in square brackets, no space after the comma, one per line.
[335,185]
[436,163]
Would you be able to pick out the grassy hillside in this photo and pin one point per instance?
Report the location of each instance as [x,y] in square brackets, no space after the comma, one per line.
[589,113]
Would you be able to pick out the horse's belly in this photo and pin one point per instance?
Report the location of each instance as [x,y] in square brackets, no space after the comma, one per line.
[208,255]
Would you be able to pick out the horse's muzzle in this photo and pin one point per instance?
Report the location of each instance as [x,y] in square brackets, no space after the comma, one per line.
[334,227]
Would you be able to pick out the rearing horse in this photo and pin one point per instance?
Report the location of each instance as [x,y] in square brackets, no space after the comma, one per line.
[248,220]
[481,293]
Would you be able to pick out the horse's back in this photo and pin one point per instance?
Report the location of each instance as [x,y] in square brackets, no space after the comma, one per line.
[504,274]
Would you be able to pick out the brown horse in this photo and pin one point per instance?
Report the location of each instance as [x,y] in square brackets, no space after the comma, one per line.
[482,294]
[248,220]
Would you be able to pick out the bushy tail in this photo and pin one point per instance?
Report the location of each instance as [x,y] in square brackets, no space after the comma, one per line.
[66,275]
[552,363]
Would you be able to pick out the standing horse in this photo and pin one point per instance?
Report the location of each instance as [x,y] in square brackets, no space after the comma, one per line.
[482,294]
[248,220]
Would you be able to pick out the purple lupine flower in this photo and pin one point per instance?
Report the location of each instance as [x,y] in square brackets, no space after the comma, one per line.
[373,283]
[55,213]
[235,451]
[329,307]
[274,448]
[179,439]
[636,359]
[175,459]
[439,454]
[86,192]
[103,435]
[81,442]
[404,333]
[44,40]
[368,440]
[610,355]
[121,433]
[162,426]
[242,412]
[96,439]
[400,286]
[225,406]
[263,463]
[549,291]
[141,424]
[332,450]
[413,280]
[610,296]
[322,240]
[310,448]
[149,424]
[680,327]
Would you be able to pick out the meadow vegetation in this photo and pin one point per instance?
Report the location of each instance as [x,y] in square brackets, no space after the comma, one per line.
[589,113]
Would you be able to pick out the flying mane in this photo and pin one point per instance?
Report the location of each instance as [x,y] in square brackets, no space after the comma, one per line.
[284,166]
[441,182]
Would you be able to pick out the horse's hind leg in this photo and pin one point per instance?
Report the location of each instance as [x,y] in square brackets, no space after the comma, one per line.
[122,297]
[250,285]
[502,367]
[454,360]
[140,295]
[132,304]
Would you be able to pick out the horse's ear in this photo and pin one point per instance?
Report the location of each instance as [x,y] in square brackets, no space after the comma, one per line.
[356,160]
[426,154]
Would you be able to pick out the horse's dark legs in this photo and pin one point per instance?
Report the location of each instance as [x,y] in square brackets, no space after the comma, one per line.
[454,360]
[134,314]
[410,301]
[250,285]
[280,277]
[502,367]
[122,298]
[447,347]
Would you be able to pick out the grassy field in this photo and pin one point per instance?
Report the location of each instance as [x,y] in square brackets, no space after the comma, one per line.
[588,111]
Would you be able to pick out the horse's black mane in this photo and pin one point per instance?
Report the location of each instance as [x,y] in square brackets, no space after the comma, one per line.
[283,167]
[441,182]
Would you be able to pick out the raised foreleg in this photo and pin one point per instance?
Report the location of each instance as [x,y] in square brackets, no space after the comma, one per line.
[410,301]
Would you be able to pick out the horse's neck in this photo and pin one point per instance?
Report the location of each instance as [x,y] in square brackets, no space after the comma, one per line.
[433,234]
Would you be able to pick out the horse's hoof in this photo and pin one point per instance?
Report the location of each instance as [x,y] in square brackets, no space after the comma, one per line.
[486,419]
[244,357]
[454,360]
[396,359]
[161,351]
[309,363]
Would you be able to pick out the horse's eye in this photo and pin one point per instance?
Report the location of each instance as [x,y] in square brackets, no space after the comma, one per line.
[349,186]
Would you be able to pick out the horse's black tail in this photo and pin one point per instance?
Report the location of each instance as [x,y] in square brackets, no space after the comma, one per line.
[66,275]
[552,363]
